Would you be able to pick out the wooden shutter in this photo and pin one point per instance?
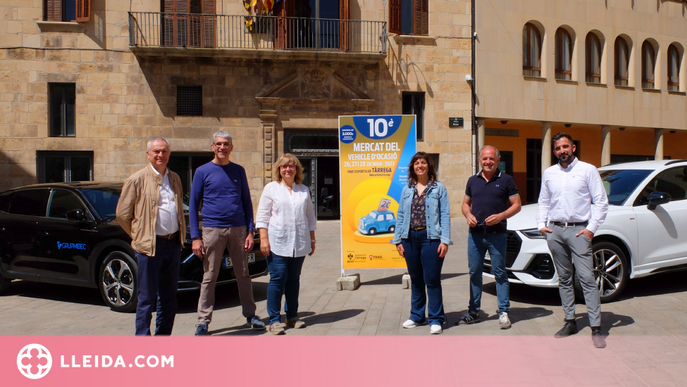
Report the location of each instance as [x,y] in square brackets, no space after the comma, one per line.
[421,23]
[209,23]
[168,23]
[395,16]
[83,10]
[280,10]
[53,10]
[344,25]
[175,22]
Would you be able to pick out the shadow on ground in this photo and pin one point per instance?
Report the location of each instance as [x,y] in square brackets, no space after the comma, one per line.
[516,315]
[398,279]
[62,293]
[309,318]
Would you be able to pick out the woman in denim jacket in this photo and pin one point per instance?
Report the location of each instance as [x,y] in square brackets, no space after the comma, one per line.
[422,237]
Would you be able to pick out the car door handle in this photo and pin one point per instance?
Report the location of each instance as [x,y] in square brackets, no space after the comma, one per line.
[43,233]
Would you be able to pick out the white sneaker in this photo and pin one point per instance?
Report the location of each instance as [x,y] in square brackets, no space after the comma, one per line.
[435,329]
[504,321]
[409,324]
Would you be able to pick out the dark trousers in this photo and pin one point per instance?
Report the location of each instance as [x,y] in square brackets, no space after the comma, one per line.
[424,268]
[285,275]
[158,280]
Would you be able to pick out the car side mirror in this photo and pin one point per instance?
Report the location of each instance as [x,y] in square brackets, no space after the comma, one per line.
[656,198]
[76,215]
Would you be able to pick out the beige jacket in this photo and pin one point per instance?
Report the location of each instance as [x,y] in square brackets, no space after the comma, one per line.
[137,208]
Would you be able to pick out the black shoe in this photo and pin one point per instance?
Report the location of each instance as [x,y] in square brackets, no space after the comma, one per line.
[570,328]
[202,330]
[598,338]
[469,318]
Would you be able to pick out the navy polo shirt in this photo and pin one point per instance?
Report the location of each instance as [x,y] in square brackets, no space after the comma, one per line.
[490,197]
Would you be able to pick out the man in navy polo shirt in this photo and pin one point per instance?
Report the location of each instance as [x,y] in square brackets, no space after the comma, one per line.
[491,197]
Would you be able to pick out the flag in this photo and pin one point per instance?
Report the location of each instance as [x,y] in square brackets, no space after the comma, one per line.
[257,8]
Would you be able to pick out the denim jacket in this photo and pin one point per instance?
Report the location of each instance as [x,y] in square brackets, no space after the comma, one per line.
[436,209]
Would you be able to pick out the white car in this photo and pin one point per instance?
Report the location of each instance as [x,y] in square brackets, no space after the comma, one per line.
[645,231]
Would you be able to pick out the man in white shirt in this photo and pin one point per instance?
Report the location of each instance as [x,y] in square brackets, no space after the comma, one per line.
[150,210]
[572,205]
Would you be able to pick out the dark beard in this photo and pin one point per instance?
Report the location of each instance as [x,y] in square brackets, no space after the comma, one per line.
[565,158]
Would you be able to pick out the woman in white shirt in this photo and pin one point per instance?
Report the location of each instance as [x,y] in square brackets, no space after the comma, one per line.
[287,224]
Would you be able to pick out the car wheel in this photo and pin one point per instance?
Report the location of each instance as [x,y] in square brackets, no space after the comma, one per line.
[610,269]
[118,282]
[392,228]
[372,231]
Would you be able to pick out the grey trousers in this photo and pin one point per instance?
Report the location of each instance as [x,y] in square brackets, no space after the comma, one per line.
[215,241]
[569,250]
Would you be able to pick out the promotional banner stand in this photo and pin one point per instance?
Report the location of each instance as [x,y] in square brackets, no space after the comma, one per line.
[374,155]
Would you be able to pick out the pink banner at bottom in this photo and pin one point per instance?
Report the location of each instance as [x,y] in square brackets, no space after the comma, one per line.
[319,361]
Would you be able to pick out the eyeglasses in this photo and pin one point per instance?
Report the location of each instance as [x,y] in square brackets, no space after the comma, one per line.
[287,166]
[222,144]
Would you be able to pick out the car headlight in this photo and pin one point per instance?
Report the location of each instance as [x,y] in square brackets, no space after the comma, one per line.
[533,233]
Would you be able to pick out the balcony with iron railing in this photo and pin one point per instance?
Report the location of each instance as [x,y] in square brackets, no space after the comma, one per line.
[264,37]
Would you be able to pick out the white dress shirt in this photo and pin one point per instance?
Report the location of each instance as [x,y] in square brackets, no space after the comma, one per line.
[167,221]
[572,194]
[288,217]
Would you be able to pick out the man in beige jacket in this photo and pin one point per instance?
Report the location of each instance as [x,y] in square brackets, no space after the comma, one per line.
[150,210]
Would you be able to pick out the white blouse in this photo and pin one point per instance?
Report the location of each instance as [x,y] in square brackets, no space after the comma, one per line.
[288,218]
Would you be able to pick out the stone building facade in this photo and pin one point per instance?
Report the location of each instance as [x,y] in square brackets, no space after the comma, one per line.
[271,99]
[612,73]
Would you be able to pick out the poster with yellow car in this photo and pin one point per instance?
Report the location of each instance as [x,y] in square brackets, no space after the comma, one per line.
[375,152]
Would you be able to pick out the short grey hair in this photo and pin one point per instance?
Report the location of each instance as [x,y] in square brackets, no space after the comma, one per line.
[223,134]
[152,140]
[498,154]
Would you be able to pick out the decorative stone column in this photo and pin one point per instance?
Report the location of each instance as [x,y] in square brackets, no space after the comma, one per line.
[605,145]
[658,144]
[545,146]
[268,118]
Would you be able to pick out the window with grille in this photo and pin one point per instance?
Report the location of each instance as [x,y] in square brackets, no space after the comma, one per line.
[674,59]
[409,17]
[564,51]
[593,58]
[531,51]
[67,10]
[189,100]
[622,61]
[648,65]
[414,103]
[61,101]
[58,166]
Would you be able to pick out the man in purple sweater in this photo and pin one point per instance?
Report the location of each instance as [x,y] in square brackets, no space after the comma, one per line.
[222,188]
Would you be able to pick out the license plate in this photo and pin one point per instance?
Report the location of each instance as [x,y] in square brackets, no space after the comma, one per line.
[226,261]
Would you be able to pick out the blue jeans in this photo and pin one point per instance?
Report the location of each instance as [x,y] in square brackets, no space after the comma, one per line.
[158,281]
[424,268]
[285,277]
[478,244]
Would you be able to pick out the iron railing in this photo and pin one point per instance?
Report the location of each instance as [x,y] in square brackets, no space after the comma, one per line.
[160,29]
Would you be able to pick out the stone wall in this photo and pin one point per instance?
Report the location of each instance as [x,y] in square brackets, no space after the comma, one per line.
[123,99]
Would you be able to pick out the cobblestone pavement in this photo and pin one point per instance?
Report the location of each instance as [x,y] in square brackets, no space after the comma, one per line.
[652,311]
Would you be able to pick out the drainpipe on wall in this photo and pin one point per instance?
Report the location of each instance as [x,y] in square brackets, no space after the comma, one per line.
[474,92]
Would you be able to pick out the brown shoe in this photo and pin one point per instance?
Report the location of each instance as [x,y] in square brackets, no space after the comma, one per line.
[295,323]
[276,329]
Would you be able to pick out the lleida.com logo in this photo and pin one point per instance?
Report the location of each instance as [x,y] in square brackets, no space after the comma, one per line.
[34,361]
